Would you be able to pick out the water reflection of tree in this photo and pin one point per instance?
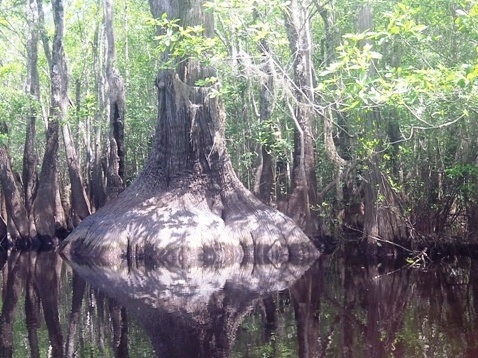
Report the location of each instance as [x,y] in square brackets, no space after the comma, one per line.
[306,298]
[192,312]
[34,279]
[79,287]
[379,310]
[447,308]
[97,325]
[350,309]
[341,308]
[47,280]
[12,287]
[36,274]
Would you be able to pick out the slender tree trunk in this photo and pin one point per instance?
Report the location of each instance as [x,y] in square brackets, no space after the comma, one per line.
[336,138]
[30,159]
[44,34]
[383,220]
[80,203]
[3,229]
[304,196]
[372,175]
[88,151]
[97,181]
[265,181]
[116,109]
[45,208]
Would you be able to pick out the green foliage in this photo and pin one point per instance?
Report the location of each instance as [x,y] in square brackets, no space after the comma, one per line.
[181,42]
[466,178]
[406,91]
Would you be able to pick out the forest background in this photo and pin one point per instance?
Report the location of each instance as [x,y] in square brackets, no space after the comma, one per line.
[355,117]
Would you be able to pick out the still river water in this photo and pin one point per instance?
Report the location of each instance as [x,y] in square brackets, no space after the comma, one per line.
[336,307]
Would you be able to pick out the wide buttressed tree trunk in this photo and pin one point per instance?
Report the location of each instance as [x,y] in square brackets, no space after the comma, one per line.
[188,206]
[16,213]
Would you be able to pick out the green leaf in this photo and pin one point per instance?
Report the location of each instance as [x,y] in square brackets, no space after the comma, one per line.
[419,28]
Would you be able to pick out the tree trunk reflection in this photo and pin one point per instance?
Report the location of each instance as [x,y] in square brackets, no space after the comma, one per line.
[47,279]
[79,287]
[32,308]
[13,287]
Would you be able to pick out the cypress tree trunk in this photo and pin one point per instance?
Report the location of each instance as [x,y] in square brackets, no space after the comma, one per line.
[46,211]
[304,195]
[265,180]
[383,219]
[188,206]
[30,159]
[16,212]
[80,204]
[115,110]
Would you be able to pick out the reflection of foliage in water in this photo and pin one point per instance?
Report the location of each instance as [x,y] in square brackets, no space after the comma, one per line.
[348,307]
[253,340]
[94,336]
[366,311]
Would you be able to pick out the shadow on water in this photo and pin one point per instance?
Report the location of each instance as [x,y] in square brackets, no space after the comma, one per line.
[338,307]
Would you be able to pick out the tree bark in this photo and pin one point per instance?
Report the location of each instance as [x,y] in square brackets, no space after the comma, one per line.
[97,179]
[45,208]
[44,34]
[15,209]
[304,196]
[187,206]
[16,212]
[3,229]
[383,219]
[115,109]
[80,204]
[265,181]
[30,159]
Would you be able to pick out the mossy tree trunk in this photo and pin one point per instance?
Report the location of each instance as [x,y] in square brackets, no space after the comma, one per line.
[188,206]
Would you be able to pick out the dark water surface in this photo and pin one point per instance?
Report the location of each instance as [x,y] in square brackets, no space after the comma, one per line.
[338,307]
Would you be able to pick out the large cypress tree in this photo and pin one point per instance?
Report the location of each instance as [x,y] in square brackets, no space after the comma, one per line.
[188,206]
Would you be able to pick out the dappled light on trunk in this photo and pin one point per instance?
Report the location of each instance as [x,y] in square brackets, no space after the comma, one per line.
[188,206]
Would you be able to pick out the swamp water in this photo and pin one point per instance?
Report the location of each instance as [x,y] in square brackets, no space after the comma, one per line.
[337,307]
